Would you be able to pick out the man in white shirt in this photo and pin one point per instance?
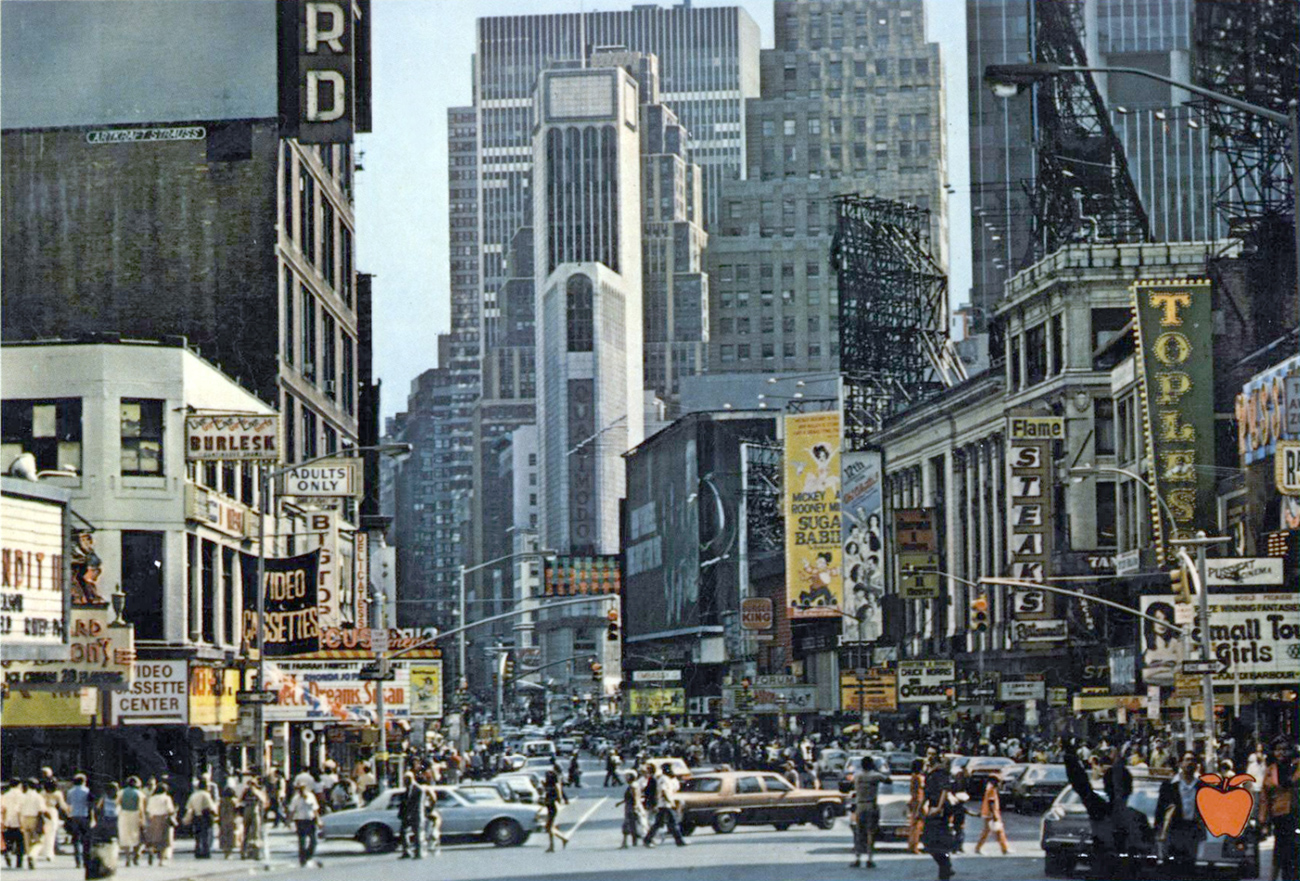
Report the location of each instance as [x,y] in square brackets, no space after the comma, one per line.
[306,779]
[666,789]
[304,810]
[30,807]
[201,810]
[10,814]
[328,778]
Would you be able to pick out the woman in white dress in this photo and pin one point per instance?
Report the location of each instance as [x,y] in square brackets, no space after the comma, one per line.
[130,820]
[160,818]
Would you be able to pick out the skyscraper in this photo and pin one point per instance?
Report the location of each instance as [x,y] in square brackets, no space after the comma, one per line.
[852,102]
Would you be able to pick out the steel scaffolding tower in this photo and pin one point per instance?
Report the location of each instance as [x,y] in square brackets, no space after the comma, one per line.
[893,312]
[1248,49]
[1084,191]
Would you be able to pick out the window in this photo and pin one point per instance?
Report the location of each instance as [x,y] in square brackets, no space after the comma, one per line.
[788,127]
[329,363]
[579,316]
[728,353]
[327,243]
[289,289]
[307,215]
[742,352]
[922,66]
[769,130]
[1013,364]
[1103,426]
[787,324]
[1058,345]
[48,429]
[859,125]
[308,313]
[776,784]
[882,67]
[142,582]
[287,178]
[345,265]
[229,617]
[1126,441]
[904,67]
[747,785]
[208,592]
[142,436]
[814,126]
[349,378]
[1036,354]
[308,433]
[1106,520]
[814,350]
[290,428]
[787,350]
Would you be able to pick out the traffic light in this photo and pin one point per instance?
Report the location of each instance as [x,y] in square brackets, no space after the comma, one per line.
[979,613]
[597,669]
[509,668]
[1181,585]
[611,630]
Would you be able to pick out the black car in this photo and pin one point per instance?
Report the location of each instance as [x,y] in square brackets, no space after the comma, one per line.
[1067,839]
[1036,787]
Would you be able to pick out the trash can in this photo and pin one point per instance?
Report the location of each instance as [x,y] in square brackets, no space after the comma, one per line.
[102,862]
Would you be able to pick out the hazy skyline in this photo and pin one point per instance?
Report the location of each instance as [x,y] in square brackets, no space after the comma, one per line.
[422,65]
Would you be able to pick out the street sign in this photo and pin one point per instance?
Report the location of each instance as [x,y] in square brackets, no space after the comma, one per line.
[1211,667]
[255,697]
[1186,686]
[338,478]
[1128,562]
[379,640]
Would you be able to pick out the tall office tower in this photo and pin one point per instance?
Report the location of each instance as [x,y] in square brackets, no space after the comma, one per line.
[852,102]
[1167,150]
[425,528]
[587,254]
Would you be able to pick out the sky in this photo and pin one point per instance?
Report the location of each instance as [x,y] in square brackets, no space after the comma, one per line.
[422,53]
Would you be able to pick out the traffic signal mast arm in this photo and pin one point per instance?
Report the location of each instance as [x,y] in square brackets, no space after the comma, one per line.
[437,637]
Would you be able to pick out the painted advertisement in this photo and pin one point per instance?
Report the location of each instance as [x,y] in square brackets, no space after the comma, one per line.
[1254,636]
[292,612]
[811,488]
[333,691]
[657,702]
[1175,347]
[863,543]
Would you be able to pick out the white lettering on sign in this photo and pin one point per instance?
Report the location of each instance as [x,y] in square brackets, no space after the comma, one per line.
[159,695]
[143,135]
[1286,469]
[32,584]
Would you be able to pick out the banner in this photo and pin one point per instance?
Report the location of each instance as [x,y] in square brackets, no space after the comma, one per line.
[811,489]
[1175,348]
[862,532]
[292,619]
[925,681]
[1254,636]
[426,689]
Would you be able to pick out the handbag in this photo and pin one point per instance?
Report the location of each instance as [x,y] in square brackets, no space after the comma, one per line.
[996,826]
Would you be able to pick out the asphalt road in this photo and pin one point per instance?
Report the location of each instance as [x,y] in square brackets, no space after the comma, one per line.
[748,854]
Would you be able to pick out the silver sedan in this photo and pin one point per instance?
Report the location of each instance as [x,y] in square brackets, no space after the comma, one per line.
[466,816]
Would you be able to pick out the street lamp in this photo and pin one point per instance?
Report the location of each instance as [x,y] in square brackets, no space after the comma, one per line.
[1009,80]
[1091,470]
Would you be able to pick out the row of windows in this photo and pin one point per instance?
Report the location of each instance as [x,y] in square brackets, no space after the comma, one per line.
[767,324]
[905,122]
[332,254]
[331,366]
[767,351]
[51,430]
[767,299]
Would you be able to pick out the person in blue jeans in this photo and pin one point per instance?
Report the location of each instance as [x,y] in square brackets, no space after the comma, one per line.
[304,810]
[78,825]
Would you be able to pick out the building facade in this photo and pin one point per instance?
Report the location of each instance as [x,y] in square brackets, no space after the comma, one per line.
[851,102]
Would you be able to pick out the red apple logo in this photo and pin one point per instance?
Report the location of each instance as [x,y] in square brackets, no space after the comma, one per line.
[1225,805]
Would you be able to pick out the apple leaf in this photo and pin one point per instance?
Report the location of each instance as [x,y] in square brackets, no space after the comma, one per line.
[1211,779]
[1241,780]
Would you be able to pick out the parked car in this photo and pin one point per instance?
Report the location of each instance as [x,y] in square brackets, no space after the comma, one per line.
[495,788]
[980,768]
[681,770]
[465,817]
[1066,838]
[524,786]
[728,799]
[568,746]
[540,748]
[1036,787]
[1006,783]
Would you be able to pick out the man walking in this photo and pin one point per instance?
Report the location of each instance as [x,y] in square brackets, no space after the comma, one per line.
[666,789]
[611,769]
[1178,819]
[866,812]
[79,802]
[411,814]
[200,810]
[304,809]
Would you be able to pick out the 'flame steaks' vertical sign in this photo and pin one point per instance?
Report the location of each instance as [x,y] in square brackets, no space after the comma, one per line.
[1175,343]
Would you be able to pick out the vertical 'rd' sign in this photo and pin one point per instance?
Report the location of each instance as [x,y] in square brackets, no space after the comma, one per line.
[325,72]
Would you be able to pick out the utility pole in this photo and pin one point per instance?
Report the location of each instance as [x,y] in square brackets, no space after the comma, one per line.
[1201,542]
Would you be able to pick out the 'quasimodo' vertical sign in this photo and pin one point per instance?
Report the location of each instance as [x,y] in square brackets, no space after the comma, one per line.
[1175,340]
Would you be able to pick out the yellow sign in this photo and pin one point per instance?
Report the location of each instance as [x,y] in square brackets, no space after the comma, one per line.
[212,695]
[1186,685]
[814,582]
[43,709]
[657,701]
[1036,427]
[426,689]
[875,691]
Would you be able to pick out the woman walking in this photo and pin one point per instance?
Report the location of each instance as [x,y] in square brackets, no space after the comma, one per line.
[936,813]
[252,810]
[227,822]
[991,812]
[160,822]
[108,811]
[916,797]
[552,795]
[130,820]
[634,814]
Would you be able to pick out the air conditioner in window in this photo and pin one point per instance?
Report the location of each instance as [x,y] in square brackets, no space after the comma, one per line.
[329,386]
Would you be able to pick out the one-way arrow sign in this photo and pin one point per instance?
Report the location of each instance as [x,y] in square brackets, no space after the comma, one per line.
[255,697]
[1212,667]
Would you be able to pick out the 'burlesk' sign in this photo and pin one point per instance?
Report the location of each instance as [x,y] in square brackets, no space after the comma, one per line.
[232,438]
[292,619]
[1175,342]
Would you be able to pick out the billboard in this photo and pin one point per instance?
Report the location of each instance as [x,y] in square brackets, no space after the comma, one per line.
[863,543]
[811,488]
[917,550]
[922,682]
[579,576]
[333,691]
[232,438]
[1268,410]
[662,557]
[871,690]
[426,689]
[1254,636]
[657,701]
[292,612]
[34,586]
[1175,347]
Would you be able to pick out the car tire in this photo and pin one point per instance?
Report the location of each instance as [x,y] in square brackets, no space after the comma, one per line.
[826,816]
[1057,863]
[505,833]
[780,827]
[376,838]
[724,824]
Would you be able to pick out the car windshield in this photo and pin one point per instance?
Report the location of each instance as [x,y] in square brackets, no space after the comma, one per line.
[702,784]
[1142,799]
[1045,774]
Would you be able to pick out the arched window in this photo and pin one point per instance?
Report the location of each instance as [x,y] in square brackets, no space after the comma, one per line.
[579,317]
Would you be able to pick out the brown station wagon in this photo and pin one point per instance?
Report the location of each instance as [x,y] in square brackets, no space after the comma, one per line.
[727,799]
